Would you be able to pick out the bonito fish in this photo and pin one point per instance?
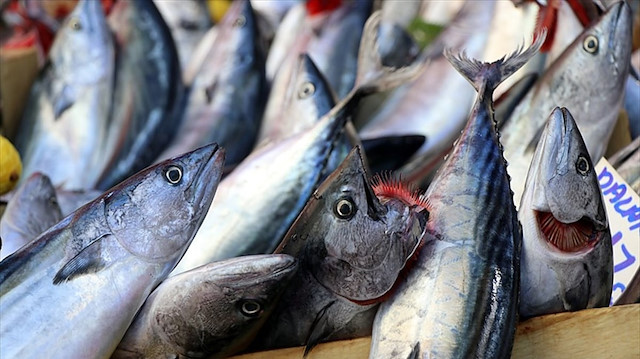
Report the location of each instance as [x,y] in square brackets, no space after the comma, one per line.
[209,312]
[73,291]
[461,298]
[351,245]
[604,50]
[567,257]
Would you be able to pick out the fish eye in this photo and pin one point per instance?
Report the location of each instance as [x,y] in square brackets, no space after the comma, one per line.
[250,308]
[582,165]
[306,90]
[240,21]
[173,174]
[590,44]
[75,24]
[345,208]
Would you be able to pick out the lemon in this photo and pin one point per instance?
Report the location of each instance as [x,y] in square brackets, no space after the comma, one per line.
[10,166]
[217,8]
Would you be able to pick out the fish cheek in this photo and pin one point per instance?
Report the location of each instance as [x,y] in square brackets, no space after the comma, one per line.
[149,220]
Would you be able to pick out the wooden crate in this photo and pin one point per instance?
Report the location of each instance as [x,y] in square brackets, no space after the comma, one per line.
[612,332]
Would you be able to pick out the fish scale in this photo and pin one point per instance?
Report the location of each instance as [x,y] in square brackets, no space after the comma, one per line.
[465,286]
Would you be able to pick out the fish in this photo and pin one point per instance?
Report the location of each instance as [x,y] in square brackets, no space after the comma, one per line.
[460,299]
[604,48]
[259,200]
[227,98]
[33,208]
[99,264]
[188,21]
[567,255]
[435,104]
[211,311]
[70,201]
[148,97]
[66,115]
[296,103]
[352,241]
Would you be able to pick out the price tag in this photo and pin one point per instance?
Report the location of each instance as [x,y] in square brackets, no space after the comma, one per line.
[622,205]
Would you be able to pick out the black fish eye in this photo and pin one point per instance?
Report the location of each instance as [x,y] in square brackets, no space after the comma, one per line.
[345,208]
[240,21]
[590,44]
[173,174]
[307,89]
[75,24]
[582,165]
[250,308]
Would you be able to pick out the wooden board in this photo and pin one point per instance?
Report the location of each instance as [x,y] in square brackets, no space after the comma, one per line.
[593,333]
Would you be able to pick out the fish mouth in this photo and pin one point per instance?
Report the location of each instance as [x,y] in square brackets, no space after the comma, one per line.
[203,185]
[253,270]
[576,237]
[620,24]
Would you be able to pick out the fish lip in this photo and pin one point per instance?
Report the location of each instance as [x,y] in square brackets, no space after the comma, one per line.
[202,184]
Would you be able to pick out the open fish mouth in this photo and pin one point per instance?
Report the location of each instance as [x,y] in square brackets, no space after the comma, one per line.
[577,237]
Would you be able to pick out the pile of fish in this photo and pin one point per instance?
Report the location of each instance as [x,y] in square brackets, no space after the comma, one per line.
[307,171]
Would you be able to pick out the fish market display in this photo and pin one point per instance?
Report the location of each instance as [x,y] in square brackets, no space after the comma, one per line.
[461,298]
[65,119]
[31,211]
[604,50]
[227,97]
[212,311]
[96,267]
[351,246]
[259,200]
[567,256]
[144,114]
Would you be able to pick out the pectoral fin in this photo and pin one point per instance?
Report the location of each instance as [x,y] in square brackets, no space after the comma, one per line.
[320,329]
[90,260]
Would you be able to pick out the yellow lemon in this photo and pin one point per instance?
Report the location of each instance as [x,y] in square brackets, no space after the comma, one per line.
[217,8]
[10,166]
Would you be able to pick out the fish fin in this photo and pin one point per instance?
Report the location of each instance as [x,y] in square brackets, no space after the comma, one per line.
[415,352]
[89,260]
[373,75]
[509,100]
[62,101]
[390,152]
[319,329]
[486,76]
[534,141]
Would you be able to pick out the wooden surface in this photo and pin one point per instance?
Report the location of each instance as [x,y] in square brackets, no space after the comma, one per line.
[593,333]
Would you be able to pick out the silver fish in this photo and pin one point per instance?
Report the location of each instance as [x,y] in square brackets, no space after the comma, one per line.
[32,210]
[97,266]
[188,20]
[352,246]
[257,203]
[435,104]
[460,299]
[228,95]
[66,116]
[296,103]
[603,49]
[567,256]
[212,311]
[148,92]
[70,201]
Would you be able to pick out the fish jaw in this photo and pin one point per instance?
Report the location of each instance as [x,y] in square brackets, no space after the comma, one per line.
[165,234]
[567,255]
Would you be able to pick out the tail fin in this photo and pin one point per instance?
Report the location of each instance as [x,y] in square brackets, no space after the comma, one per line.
[486,76]
[373,75]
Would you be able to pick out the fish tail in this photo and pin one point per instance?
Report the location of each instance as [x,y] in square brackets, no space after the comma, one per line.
[486,76]
[372,74]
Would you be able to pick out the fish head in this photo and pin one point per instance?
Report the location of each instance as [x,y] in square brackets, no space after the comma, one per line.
[566,194]
[239,33]
[603,49]
[311,96]
[231,298]
[155,213]
[39,195]
[354,244]
[75,42]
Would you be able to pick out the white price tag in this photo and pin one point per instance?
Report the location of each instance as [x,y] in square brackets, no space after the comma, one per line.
[622,205]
